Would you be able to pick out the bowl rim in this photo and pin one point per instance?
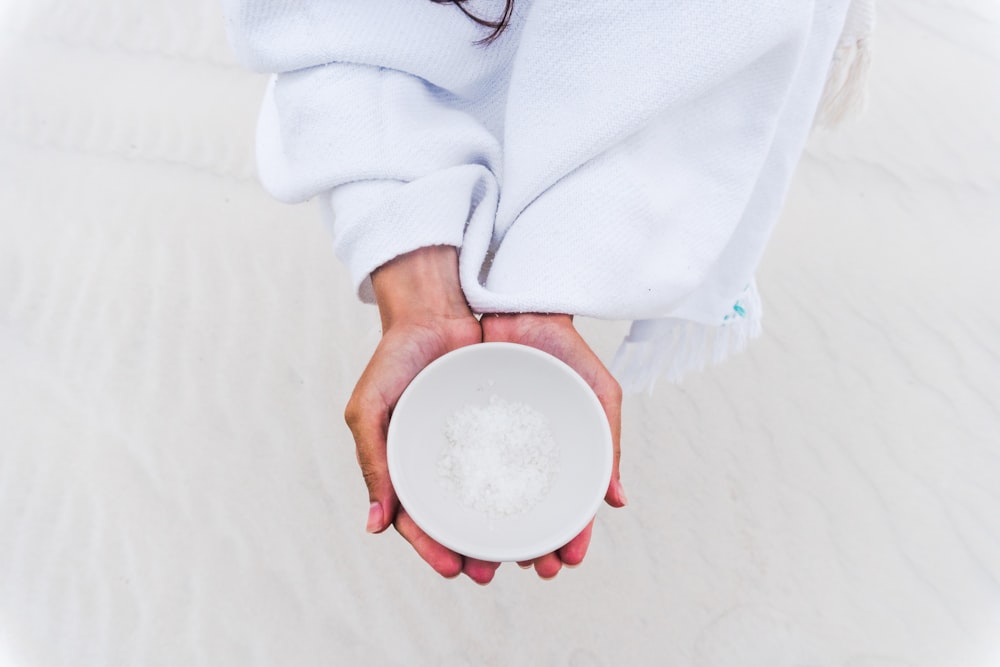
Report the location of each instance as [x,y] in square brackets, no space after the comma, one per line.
[516,553]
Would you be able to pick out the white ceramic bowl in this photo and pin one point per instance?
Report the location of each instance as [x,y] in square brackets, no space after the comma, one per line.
[515,373]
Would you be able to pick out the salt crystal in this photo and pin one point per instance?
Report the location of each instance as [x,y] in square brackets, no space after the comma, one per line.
[500,458]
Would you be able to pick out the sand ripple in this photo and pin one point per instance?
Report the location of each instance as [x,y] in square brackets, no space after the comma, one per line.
[177,486]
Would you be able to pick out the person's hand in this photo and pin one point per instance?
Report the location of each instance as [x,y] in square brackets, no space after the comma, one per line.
[424,316]
[556,335]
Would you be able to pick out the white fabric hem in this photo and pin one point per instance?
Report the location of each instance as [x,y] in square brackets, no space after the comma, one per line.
[672,347]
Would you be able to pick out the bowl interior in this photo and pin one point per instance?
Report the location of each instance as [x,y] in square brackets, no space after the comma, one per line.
[470,376]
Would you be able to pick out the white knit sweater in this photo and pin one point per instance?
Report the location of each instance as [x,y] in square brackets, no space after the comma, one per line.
[621,160]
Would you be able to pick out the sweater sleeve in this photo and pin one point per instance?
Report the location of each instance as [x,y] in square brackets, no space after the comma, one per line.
[644,169]
[377,112]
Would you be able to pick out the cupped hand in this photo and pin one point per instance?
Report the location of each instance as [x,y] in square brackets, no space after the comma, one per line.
[424,316]
[555,334]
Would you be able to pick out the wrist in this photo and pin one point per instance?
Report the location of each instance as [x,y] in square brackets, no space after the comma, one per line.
[517,325]
[420,287]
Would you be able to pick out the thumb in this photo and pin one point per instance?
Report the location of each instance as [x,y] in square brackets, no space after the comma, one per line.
[610,395]
[368,427]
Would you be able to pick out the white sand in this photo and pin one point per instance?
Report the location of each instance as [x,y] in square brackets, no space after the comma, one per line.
[177,486]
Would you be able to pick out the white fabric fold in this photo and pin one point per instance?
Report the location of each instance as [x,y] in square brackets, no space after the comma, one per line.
[583,163]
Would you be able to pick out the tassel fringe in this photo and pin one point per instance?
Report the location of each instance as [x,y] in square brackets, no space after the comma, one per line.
[672,347]
[845,94]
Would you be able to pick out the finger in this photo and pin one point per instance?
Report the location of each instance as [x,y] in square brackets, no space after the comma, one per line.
[548,566]
[480,571]
[574,350]
[524,564]
[573,552]
[445,562]
[616,493]
[368,420]
[609,392]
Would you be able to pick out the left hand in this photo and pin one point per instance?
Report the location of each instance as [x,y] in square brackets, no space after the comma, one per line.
[424,316]
[555,334]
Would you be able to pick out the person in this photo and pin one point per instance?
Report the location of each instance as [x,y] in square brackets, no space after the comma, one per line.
[617,160]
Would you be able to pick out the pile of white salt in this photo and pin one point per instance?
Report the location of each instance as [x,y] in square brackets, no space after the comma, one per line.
[500,459]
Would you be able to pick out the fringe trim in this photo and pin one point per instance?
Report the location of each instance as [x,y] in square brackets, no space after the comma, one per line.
[672,347]
[845,95]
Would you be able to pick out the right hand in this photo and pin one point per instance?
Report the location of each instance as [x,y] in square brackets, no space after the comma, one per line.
[424,316]
[555,334]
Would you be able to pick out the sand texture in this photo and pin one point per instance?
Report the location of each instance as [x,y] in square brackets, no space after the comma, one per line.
[177,486]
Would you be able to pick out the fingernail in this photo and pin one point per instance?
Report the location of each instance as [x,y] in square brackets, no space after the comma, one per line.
[621,493]
[375,517]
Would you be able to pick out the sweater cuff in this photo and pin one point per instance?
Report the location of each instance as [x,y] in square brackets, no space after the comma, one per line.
[376,220]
